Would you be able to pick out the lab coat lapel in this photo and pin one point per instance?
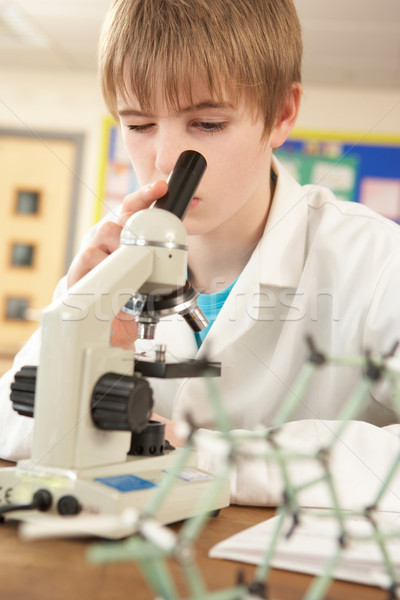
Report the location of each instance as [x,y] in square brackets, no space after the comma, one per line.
[236,316]
[277,262]
[282,248]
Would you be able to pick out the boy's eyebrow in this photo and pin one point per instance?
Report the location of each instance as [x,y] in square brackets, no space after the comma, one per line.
[131,112]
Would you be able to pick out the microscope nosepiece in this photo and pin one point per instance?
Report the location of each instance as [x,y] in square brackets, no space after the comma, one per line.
[182,301]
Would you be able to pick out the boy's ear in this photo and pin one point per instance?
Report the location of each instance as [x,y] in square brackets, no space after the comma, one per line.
[287,117]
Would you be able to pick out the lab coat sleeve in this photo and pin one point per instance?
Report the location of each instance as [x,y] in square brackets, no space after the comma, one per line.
[382,329]
[16,431]
[359,463]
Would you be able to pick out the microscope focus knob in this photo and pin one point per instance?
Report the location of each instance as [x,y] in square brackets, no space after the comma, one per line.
[121,402]
[23,391]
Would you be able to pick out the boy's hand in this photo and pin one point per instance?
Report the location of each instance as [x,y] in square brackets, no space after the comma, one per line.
[106,241]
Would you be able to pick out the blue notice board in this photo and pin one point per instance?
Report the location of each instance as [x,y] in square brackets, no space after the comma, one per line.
[360,168]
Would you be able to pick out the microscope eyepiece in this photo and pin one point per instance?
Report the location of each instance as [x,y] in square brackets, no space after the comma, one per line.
[183,182]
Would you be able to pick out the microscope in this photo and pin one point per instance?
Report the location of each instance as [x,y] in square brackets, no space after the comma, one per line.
[95,449]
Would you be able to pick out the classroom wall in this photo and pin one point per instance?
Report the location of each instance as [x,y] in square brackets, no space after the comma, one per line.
[367,111]
[71,102]
[49,101]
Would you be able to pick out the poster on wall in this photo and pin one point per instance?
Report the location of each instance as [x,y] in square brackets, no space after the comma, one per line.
[363,169]
[117,178]
[357,168]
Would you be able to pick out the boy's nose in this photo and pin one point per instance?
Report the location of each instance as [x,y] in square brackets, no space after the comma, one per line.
[170,145]
[166,158]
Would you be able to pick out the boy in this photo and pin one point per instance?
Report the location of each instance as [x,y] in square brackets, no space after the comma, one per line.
[223,78]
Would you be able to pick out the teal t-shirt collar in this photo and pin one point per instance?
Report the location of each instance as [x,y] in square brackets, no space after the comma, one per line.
[211,304]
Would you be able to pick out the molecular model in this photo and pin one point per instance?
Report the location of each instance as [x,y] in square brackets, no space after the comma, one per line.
[154,545]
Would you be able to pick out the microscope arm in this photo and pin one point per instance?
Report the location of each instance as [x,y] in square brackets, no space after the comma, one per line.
[75,352]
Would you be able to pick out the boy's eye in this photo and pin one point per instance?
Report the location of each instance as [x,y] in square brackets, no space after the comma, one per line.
[210,126]
[206,126]
[140,128]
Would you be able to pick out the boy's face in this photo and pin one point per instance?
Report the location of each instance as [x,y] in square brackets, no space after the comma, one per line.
[234,192]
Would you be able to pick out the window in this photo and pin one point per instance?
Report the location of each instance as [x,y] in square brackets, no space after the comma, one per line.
[16,309]
[27,202]
[22,255]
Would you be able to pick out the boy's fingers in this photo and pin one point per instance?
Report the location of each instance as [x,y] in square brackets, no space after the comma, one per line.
[142,199]
[104,242]
[107,237]
[88,259]
[124,331]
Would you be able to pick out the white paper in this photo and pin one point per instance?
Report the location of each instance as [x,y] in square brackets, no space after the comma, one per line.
[314,542]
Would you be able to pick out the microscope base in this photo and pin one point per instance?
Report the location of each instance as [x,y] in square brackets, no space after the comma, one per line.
[108,491]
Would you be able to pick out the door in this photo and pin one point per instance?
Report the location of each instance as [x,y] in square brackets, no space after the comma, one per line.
[38,183]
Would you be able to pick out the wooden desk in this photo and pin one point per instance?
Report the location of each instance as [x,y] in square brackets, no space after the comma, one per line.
[58,570]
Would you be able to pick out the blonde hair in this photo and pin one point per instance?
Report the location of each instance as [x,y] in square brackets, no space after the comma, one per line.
[247,48]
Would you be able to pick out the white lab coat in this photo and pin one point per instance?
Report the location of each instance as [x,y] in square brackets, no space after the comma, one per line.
[323,268]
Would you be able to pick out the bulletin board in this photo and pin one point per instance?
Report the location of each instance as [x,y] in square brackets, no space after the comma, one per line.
[116,176]
[359,168]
